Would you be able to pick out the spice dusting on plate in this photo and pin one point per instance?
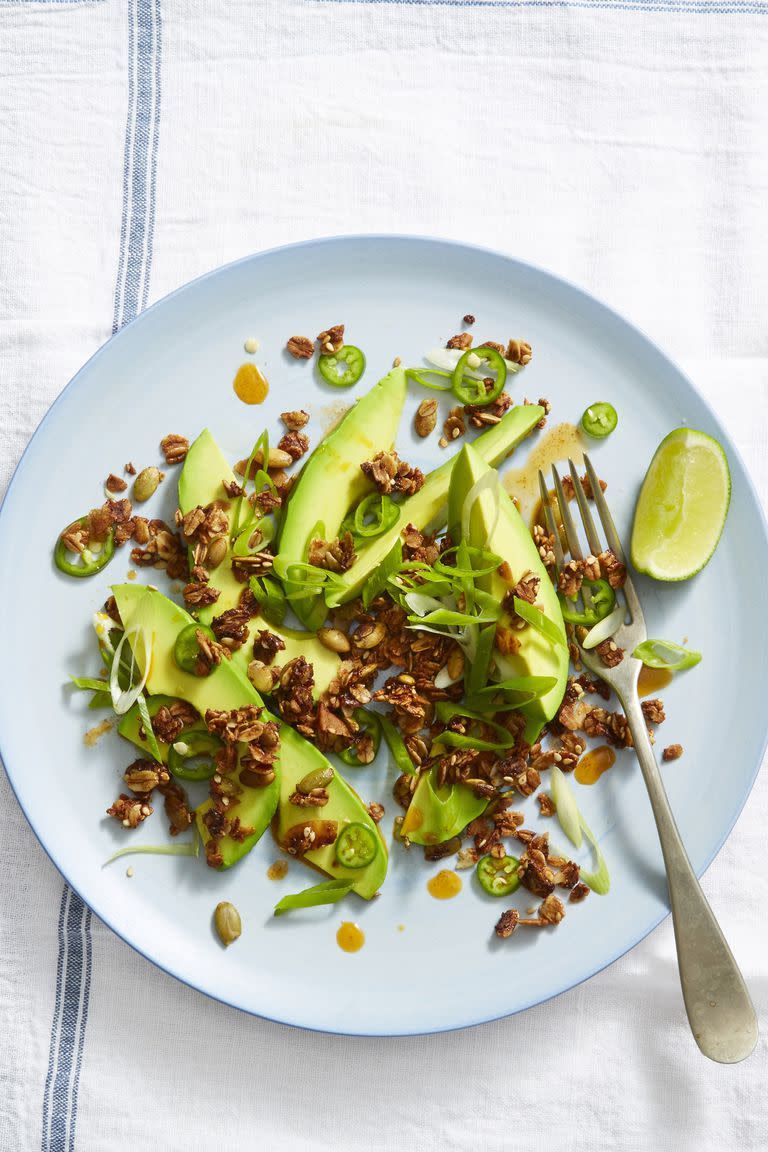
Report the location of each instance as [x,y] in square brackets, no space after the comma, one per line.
[332,414]
[277,870]
[350,937]
[250,384]
[445,885]
[94,734]
[591,767]
[653,680]
[558,443]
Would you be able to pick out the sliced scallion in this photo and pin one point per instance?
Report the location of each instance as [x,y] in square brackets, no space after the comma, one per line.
[539,621]
[565,802]
[329,892]
[666,654]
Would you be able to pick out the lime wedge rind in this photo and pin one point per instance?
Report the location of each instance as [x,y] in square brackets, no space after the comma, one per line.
[682,506]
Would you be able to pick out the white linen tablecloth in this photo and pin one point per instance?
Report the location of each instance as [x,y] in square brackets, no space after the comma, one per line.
[622,143]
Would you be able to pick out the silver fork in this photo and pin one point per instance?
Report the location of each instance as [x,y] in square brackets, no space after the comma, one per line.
[717,1002]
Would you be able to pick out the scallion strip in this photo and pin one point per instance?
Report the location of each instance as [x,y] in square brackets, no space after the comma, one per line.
[149,732]
[307,578]
[270,597]
[666,654]
[567,809]
[396,746]
[599,880]
[539,621]
[445,711]
[190,848]
[448,618]
[89,684]
[525,688]
[487,562]
[329,892]
[388,568]
[261,446]
[477,670]
[419,376]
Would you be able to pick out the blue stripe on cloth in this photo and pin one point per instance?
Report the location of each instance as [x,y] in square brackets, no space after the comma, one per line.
[56,1011]
[139,177]
[73,972]
[695,7]
[29,3]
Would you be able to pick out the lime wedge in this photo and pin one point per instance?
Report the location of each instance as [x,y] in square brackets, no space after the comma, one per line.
[682,506]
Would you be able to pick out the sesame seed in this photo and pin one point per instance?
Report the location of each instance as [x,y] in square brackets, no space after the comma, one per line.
[129,872]
[396,362]
[126,823]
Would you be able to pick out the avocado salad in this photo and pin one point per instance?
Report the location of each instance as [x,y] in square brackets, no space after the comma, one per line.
[314,617]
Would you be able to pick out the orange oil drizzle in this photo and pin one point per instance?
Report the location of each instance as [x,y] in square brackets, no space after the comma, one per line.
[557,444]
[250,384]
[653,680]
[591,767]
[350,938]
[444,885]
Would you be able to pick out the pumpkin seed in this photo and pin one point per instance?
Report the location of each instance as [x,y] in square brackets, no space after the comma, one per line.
[319,778]
[146,484]
[334,639]
[228,923]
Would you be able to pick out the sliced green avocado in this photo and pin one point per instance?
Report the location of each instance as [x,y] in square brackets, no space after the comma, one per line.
[438,814]
[200,483]
[226,688]
[130,725]
[428,507]
[498,526]
[344,806]
[331,481]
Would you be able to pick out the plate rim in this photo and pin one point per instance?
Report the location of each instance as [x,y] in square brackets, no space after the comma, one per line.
[593,301]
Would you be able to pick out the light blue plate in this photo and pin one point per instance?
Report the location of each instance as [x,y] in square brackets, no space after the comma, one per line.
[171,371]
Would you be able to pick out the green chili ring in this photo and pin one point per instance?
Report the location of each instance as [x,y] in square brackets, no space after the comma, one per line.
[498,877]
[384,511]
[470,391]
[83,566]
[603,603]
[186,650]
[369,723]
[599,420]
[199,745]
[357,846]
[350,359]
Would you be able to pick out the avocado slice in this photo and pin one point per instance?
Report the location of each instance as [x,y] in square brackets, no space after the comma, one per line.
[130,725]
[501,529]
[437,814]
[427,508]
[228,687]
[331,481]
[200,483]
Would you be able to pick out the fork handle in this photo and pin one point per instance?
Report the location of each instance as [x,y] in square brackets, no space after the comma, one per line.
[717,1002]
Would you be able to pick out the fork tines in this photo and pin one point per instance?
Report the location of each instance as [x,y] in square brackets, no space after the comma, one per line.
[569,528]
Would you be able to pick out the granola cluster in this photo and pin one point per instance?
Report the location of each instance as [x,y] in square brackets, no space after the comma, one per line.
[391,475]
